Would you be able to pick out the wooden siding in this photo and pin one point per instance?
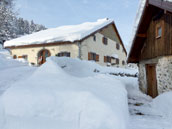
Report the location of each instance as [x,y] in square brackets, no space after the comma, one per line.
[153,46]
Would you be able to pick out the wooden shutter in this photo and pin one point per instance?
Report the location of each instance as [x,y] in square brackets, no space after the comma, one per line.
[105,59]
[89,56]
[110,59]
[14,57]
[97,57]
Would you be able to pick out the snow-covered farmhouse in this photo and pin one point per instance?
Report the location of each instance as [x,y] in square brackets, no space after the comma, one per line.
[152,47]
[98,41]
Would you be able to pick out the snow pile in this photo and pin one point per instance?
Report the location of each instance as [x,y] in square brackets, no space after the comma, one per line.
[1,47]
[72,97]
[12,70]
[2,116]
[87,68]
[6,60]
[63,33]
[163,103]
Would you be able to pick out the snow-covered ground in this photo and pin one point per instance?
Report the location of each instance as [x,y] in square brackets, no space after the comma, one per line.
[68,93]
[63,93]
[148,113]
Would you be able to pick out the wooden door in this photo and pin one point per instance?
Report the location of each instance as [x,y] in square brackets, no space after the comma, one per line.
[43,54]
[151,80]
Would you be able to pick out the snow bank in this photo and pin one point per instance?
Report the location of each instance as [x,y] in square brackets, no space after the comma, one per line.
[59,98]
[6,60]
[63,33]
[77,67]
[2,116]
[1,46]
[163,103]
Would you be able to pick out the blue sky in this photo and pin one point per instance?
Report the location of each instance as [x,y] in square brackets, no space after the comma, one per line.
[53,13]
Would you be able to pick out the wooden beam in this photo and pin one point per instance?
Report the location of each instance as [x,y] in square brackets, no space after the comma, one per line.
[162,4]
[142,35]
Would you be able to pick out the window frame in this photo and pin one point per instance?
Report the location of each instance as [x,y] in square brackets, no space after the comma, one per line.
[63,54]
[117,61]
[117,46]
[93,56]
[159,26]
[107,59]
[94,38]
[105,40]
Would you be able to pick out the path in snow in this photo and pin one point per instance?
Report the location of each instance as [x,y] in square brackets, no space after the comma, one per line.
[142,115]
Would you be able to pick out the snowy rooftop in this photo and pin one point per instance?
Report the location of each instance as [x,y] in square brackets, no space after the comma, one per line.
[62,33]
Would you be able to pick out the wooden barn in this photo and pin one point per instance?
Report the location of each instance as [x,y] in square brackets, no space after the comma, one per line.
[152,47]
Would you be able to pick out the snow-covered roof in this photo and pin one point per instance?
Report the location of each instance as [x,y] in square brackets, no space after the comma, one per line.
[63,33]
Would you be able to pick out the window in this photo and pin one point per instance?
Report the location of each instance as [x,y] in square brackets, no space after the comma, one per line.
[123,62]
[94,38]
[61,54]
[159,29]
[93,56]
[117,46]
[105,40]
[159,32]
[107,59]
[14,57]
[23,56]
[117,61]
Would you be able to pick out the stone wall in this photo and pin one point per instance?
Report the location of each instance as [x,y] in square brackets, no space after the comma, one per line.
[142,78]
[163,74]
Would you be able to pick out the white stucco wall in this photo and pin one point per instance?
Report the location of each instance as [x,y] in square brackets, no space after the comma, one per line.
[33,52]
[89,45]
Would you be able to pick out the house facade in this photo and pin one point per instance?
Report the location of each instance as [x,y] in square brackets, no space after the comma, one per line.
[102,44]
[152,48]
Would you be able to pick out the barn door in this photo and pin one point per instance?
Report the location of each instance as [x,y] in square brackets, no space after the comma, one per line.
[151,80]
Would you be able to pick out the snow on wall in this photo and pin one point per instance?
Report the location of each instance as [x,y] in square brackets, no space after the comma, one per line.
[54,98]
[63,33]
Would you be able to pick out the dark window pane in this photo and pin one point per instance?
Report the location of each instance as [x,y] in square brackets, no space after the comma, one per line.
[94,38]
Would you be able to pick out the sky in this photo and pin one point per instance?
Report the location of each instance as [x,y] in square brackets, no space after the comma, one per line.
[54,13]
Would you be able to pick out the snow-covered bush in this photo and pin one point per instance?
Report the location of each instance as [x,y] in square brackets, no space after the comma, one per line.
[71,98]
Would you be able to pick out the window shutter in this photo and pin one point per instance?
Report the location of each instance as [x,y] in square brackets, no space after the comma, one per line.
[105,59]
[89,56]
[97,57]
[110,59]
[117,61]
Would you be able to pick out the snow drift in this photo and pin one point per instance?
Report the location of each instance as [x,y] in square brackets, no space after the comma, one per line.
[163,104]
[66,98]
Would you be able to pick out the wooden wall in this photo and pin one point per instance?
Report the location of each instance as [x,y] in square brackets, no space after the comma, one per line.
[154,47]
